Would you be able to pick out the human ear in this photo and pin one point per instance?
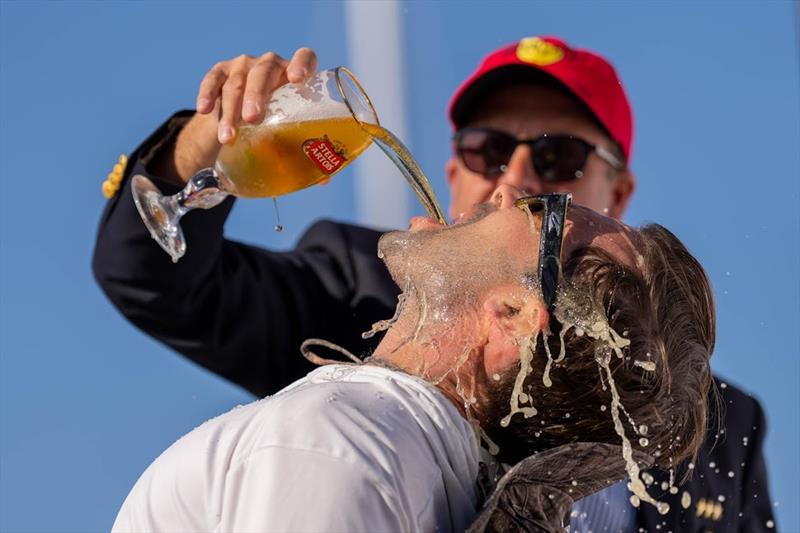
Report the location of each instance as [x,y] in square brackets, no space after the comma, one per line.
[452,174]
[623,188]
[451,171]
[510,316]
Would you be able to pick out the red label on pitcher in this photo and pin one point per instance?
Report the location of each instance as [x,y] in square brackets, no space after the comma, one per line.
[324,154]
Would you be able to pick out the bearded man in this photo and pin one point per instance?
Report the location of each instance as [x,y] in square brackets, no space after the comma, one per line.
[546,331]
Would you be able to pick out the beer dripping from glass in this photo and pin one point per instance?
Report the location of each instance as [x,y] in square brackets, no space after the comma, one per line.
[311,131]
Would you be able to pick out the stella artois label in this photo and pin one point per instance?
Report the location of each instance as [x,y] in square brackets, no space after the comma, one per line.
[326,154]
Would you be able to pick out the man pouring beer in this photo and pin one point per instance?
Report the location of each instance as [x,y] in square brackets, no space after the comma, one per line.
[537,115]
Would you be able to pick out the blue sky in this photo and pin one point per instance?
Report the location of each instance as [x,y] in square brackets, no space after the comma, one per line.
[87,402]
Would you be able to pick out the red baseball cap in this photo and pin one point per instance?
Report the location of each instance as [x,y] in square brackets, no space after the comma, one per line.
[585,74]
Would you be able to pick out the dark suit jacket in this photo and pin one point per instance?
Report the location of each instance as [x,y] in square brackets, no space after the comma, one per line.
[242,312]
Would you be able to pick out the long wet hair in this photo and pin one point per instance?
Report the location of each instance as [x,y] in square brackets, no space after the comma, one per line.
[666,311]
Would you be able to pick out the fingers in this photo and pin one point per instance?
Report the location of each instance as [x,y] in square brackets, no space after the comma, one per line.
[267,74]
[210,87]
[232,96]
[302,66]
[243,86]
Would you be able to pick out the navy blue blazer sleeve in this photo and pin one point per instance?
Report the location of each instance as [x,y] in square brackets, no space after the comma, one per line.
[238,310]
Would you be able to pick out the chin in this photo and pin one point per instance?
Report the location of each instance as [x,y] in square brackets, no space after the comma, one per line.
[395,249]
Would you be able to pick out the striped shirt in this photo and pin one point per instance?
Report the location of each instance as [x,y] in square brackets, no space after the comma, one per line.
[607,511]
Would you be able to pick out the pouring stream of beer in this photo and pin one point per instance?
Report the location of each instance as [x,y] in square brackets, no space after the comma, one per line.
[400,156]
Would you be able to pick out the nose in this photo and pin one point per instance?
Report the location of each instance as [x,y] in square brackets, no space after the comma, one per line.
[519,172]
[506,194]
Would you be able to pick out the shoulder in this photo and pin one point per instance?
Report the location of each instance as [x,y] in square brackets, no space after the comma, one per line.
[736,410]
[358,412]
[728,468]
[323,412]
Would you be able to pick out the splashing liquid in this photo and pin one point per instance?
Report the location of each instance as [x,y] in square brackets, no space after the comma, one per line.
[613,342]
[550,360]
[635,485]
[383,325]
[402,300]
[422,315]
[526,353]
[572,311]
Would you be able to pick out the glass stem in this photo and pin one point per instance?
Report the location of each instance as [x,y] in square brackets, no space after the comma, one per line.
[203,191]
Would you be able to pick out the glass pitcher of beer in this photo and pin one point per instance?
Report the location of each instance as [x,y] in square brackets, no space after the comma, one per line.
[311,131]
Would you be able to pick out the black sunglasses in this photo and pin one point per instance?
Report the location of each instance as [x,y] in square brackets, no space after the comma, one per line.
[555,157]
[554,214]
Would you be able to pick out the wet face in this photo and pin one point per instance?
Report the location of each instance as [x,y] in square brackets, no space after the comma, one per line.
[527,111]
[451,266]
[494,243]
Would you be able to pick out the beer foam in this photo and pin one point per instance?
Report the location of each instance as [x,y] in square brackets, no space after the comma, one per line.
[290,103]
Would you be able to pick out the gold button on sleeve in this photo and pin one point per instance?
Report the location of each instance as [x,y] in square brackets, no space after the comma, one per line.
[109,189]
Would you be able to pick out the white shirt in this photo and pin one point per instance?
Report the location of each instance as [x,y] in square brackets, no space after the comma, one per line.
[347,448]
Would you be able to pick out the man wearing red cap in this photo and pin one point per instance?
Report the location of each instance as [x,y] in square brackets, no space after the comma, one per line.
[537,116]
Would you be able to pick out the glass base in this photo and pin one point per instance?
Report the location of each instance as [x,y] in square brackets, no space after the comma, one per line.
[161,214]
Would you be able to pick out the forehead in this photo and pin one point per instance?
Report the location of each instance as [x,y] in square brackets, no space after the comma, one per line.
[531,108]
[585,227]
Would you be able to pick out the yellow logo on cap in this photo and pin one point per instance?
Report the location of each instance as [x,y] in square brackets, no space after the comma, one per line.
[539,52]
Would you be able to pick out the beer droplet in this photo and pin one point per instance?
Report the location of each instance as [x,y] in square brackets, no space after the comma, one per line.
[686,500]
[278,225]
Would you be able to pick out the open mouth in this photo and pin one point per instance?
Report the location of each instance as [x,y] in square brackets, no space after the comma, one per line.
[420,223]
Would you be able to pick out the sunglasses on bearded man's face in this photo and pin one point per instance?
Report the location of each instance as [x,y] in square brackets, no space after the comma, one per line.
[553,209]
[555,158]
